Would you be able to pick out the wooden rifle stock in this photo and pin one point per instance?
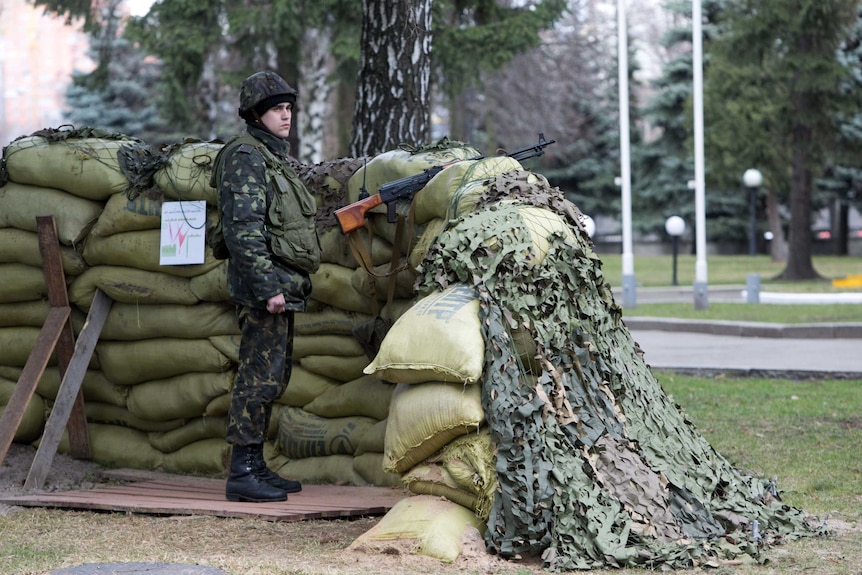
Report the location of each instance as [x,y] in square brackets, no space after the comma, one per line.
[352,216]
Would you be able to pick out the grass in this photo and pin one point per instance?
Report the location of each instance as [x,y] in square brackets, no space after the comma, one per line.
[771,313]
[806,433]
[655,271]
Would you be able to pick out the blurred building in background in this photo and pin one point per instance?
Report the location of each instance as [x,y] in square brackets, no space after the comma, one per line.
[38,54]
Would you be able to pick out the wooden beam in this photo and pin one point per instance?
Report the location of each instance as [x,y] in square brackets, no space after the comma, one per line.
[55,279]
[70,388]
[54,324]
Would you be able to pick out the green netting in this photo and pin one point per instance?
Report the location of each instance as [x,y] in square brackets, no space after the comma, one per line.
[597,466]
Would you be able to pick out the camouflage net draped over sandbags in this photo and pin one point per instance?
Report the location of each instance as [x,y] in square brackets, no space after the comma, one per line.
[597,467]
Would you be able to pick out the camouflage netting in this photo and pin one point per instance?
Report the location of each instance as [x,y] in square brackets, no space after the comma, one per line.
[507,385]
[597,466]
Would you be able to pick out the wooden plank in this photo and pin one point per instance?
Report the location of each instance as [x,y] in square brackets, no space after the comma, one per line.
[55,279]
[70,388]
[186,495]
[31,374]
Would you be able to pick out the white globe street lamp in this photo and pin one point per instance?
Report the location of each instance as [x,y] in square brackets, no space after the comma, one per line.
[752,179]
[675,227]
[589,224]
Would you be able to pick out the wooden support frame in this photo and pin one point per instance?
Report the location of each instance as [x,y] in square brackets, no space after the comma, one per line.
[56,335]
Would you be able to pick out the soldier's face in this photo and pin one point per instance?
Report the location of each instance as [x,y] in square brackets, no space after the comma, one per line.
[277,119]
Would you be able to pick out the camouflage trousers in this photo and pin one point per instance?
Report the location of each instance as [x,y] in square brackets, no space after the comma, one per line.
[265,360]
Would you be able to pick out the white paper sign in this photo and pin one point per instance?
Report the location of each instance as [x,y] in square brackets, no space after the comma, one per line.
[183,233]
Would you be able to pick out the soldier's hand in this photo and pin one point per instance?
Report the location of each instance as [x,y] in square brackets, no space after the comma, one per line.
[275,304]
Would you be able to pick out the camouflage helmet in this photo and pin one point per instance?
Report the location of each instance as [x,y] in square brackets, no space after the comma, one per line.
[261,91]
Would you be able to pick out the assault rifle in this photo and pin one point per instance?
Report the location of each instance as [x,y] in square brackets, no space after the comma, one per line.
[352,217]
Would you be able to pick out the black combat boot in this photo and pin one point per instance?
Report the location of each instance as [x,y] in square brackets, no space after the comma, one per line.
[271,477]
[244,483]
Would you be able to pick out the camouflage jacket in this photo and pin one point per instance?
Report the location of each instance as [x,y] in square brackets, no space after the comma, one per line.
[254,274]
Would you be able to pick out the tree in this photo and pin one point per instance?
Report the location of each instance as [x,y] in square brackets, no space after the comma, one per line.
[393,94]
[776,81]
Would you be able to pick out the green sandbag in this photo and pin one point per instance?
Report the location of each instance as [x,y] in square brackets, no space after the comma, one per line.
[129,363]
[25,313]
[424,417]
[328,320]
[95,387]
[211,285]
[128,322]
[370,467]
[422,524]
[433,479]
[187,174]
[116,446]
[191,432]
[324,470]
[339,368]
[219,406]
[365,395]
[21,283]
[33,420]
[335,249]
[129,285]
[121,214]
[139,250]
[332,285]
[374,441]
[22,246]
[325,344]
[16,343]
[227,345]
[302,434]
[425,240]
[377,285]
[304,386]
[180,397]
[74,216]
[86,167]
[208,456]
[114,415]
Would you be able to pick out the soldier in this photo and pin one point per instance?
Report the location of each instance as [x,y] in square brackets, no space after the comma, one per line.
[267,217]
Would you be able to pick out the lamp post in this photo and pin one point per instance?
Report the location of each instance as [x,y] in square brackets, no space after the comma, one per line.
[752,179]
[675,227]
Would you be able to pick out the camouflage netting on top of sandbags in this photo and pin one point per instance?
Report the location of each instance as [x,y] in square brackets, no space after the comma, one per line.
[597,467]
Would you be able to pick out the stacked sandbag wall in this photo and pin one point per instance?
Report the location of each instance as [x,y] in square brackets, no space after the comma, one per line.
[158,387]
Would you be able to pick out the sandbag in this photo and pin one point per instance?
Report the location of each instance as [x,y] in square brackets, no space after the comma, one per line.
[397,164]
[438,339]
[304,386]
[26,313]
[434,199]
[129,322]
[422,524]
[302,434]
[466,198]
[22,246]
[87,167]
[114,415]
[211,285]
[426,239]
[129,363]
[425,417]
[374,441]
[121,214]
[129,285]
[370,467]
[208,456]
[195,430]
[325,344]
[21,283]
[332,285]
[117,446]
[327,320]
[33,420]
[74,216]
[365,395]
[433,479]
[324,470]
[228,345]
[139,250]
[335,249]
[187,173]
[16,343]
[337,367]
[95,387]
[179,397]
[377,285]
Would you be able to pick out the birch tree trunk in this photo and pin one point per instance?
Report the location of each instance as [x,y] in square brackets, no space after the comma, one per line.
[315,91]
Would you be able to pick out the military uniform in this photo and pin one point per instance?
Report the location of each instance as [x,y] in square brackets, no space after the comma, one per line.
[255,274]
